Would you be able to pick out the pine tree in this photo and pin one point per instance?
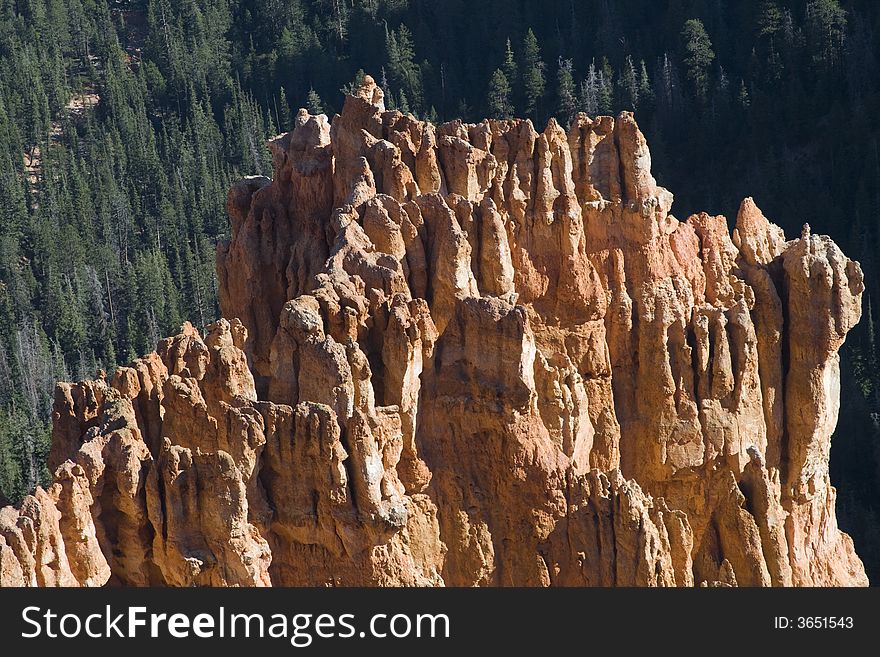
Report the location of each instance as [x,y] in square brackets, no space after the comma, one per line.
[350,88]
[284,118]
[339,19]
[698,58]
[532,73]
[565,92]
[646,92]
[590,91]
[390,100]
[667,87]
[313,102]
[606,93]
[826,30]
[629,83]
[723,86]
[498,96]
[405,74]
[769,19]
[743,96]
[509,68]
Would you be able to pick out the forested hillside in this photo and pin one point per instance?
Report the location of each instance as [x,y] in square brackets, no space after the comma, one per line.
[123,123]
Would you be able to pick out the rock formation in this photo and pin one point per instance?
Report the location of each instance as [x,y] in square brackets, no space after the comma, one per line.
[466,355]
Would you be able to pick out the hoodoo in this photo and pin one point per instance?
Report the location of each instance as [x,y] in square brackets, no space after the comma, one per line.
[466,355]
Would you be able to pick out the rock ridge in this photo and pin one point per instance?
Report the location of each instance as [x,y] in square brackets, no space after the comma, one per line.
[466,355]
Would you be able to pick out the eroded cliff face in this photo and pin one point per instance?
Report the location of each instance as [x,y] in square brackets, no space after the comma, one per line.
[466,355]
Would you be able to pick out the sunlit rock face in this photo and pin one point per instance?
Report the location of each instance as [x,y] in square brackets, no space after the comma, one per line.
[466,355]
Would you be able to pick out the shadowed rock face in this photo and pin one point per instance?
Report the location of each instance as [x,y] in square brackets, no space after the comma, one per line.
[466,355]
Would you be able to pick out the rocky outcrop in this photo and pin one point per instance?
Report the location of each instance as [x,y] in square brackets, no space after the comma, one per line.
[466,355]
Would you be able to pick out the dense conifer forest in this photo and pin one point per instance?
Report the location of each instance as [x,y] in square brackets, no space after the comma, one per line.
[123,122]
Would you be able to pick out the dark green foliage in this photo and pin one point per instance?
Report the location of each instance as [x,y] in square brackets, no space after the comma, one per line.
[769,18]
[565,92]
[405,75]
[112,193]
[826,30]
[498,96]
[509,67]
[313,103]
[533,80]
[698,56]
[629,84]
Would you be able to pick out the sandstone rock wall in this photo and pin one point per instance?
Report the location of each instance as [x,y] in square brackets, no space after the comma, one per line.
[466,355]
